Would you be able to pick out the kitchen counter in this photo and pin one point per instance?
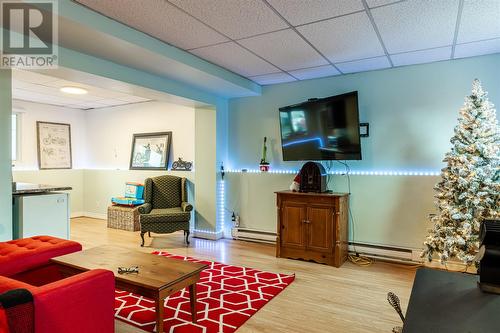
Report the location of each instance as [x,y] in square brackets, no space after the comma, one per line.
[28,188]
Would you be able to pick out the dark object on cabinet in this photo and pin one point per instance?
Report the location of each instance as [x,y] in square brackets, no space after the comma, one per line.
[312,178]
[312,226]
[489,256]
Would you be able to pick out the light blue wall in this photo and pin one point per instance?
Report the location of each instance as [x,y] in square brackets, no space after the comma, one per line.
[411,110]
[5,156]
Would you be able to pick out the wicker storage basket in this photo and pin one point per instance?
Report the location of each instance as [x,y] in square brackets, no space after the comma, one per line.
[125,218]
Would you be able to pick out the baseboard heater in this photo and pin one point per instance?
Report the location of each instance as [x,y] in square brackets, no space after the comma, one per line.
[368,250]
[387,253]
[253,235]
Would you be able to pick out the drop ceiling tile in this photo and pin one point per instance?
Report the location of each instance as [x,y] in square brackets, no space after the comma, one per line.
[31,77]
[27,86]
[133,99]
[364,65]
[300,12]
[416,25]
[111,102]
[377,3]
[420,57]
[234,18]
[40,97]
[480,20]
[272,78]
[101,93]
[89,105]
[159,19]
[58,83]
[316,72]
[235,58]
[285,48]
[477,48]
[344,38]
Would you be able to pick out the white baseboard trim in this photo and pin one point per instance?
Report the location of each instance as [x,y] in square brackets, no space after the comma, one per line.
[93,215]
[208,234]
[77,214]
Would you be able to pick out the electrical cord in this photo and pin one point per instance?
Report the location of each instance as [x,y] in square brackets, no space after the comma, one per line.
[355,259]
[360,260]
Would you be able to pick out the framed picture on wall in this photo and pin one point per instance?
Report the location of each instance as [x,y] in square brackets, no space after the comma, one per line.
[54,145]
[150,151]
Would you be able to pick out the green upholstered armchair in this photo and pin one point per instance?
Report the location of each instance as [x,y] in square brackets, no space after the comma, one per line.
[166,208]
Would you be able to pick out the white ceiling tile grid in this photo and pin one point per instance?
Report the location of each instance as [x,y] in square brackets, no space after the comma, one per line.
[298,12]
[480,20]
[418,24]
[235,58]
[286,49]
[364,65]
[159,19]
[35,87]
[275,41]
[344,38]
[234,18]
[378,3]
[273,78]
[315,72]
[477,48]
[422,56]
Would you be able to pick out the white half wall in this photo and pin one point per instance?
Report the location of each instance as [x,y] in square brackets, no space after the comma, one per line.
[101,185]
[67,177]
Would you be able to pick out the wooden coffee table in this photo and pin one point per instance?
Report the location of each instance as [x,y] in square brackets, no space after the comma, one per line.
[158,276]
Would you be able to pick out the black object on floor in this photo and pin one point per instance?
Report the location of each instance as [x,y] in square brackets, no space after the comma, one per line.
[450,302]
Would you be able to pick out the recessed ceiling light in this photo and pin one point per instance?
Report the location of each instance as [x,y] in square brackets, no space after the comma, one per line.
[74,90]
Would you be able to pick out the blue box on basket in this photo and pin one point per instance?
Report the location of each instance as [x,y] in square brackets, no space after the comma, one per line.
[133,195]
[134,190]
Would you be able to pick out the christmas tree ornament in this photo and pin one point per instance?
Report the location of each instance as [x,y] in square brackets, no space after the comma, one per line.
[468,191]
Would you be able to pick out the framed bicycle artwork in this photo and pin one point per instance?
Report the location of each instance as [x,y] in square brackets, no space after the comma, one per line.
[150,151]
[54,145]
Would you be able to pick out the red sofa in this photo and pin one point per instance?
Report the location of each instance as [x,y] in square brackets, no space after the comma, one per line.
[79,303]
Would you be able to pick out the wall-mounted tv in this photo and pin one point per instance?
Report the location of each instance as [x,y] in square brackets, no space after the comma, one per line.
[321,129]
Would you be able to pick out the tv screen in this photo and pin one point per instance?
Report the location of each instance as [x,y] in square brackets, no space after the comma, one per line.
[321,129]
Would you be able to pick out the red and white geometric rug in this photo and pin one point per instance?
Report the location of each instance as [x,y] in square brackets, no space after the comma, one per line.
[227,296]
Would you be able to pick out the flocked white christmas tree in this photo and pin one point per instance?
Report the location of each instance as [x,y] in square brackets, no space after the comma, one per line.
[468,191]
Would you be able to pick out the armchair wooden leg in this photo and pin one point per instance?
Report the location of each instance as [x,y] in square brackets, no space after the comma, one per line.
[142,237]
[149,234]
[186,232]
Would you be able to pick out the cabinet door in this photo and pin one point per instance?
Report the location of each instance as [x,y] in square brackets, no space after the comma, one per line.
[320,228]
[292,225]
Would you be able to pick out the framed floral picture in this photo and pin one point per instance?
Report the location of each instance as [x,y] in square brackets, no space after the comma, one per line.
[54,145]
[150,151]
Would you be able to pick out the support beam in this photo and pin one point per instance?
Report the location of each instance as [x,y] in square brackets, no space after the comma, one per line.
[6,154]
[205,169]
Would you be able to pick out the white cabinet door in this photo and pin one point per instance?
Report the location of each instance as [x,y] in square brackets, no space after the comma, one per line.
[42,214]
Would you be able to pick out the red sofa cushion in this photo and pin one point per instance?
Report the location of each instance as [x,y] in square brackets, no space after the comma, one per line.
[19,255]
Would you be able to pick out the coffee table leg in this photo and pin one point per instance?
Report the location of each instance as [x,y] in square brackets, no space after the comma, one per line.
[192,299]
[159,314]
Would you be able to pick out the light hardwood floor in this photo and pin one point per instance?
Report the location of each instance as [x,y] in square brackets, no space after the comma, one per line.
[321,299]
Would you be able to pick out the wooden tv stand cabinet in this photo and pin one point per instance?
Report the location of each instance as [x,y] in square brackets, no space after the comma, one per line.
[313,226]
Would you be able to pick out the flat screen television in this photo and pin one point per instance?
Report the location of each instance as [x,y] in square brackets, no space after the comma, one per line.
[321,129]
